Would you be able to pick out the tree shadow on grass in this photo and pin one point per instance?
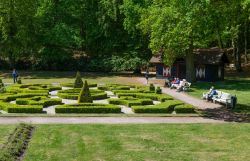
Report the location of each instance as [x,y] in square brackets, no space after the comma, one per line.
[226,114]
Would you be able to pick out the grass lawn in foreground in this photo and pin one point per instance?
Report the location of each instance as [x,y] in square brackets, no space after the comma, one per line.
[5,131]
[238,87]
[215,142]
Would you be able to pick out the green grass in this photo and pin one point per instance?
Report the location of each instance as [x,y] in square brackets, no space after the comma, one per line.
[215,142]
[5,131]
[235,86]
[34,77]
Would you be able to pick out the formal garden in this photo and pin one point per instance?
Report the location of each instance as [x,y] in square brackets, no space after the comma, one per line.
[87,97]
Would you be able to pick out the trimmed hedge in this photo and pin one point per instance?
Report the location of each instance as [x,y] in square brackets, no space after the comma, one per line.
[78,90]
[129,102]
[185,108]
[45,102]
[98,96]
[72,85]
[165,107]
[88,108]
[23,95]
[153,96]
[13,108]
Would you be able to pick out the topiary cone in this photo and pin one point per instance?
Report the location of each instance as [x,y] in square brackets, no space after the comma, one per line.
[85,96]
[78,81]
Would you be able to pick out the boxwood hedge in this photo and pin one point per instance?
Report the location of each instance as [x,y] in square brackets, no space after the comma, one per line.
[165,107]
[13,108]
[184,108]
[88,108]
[130,102]
[97,96]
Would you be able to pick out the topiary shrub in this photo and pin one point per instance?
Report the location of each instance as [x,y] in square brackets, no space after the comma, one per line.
[151,87]
[85,96]
[19,81]
[78,81]
[2,88]
[158,90]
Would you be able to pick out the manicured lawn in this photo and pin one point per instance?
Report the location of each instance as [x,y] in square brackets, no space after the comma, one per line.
[5,130]
[140,142]
[69,77]
[235,86]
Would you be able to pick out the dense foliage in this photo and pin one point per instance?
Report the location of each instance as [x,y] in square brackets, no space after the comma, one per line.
[115,35]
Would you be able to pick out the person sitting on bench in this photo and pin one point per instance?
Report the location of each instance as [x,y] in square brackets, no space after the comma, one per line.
[175,83]
[181,85]
[209,95]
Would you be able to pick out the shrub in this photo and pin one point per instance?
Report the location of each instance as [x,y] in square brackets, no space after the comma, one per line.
[54,88]
[129,102]
[72,85]
[19,81]
[78,81]
[45,102]
[158,90]
[25,109]
[13,108]
[74,96]
[23,95]
[151,87]
[88,108]
[185,108]
[51,102]
[165,107]
[85,95]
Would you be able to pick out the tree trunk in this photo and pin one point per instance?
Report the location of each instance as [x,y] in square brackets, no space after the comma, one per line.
[245,39]
[190,69]
[237,56]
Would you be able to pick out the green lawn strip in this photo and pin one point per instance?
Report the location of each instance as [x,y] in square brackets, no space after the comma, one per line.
[240,88]
[191,142]
[5,131]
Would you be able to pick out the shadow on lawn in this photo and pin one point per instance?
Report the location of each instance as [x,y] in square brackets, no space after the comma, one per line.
[226,114]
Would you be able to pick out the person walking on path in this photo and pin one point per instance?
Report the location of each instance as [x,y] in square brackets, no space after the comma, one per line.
[14,75]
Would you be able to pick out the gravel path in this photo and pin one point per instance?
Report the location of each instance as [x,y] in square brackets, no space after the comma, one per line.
[199,103]
[106,120]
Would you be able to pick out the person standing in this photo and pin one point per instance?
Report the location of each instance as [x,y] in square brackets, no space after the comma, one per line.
[14,75]
[146,75]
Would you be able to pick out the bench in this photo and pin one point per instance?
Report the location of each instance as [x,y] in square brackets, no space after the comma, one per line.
[186,86]
[225,98]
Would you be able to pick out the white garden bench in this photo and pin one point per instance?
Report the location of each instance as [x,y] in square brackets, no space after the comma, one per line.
[225,98]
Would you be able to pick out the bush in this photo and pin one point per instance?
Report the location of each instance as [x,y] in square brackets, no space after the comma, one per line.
[73,96]
[45,102]
[13,108]
[151,87]
[72,85]
[158,90]
[129,102]
[78,81]
[19,81]
[88,108]
[165,107]
[185,108]
[85,96]
[23,95]
[25,109]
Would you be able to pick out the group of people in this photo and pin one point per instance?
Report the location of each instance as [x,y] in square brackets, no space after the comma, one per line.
[176,83]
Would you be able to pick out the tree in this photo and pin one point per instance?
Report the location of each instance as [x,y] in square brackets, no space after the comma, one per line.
[176,28]
[85,96]
[78,81]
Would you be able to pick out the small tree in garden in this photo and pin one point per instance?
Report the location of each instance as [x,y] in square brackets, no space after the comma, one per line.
[85,96]
[2,88]
[151,87]
[158,90]
[19,80]
[78,81]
